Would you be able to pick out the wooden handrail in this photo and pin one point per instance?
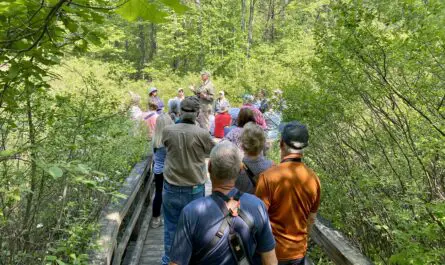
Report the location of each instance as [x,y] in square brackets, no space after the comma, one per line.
[137,188]
[336,246]
[139,191]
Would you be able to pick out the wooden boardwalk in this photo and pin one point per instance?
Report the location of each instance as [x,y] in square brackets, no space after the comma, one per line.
[154,242]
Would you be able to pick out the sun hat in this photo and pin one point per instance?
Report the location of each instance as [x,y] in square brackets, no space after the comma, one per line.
[151,90]
[247,98]
[205,72]
[224,107]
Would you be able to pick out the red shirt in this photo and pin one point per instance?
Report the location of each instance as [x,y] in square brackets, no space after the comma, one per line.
[221,120]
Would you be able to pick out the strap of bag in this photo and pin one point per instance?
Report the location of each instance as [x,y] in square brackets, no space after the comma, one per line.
[221,199]
[220,233]
[250,174]
[149,116]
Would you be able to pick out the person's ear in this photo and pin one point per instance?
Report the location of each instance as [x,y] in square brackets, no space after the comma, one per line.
[281,143]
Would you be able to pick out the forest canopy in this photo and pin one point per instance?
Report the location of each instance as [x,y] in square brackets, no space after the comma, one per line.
[367,77]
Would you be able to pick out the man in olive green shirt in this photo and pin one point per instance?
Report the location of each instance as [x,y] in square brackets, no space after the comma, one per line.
[205,94]
[185,172]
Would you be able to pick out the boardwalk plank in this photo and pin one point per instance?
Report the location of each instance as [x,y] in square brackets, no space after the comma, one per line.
[153,248]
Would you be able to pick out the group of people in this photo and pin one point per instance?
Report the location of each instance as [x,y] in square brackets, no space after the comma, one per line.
[258,212]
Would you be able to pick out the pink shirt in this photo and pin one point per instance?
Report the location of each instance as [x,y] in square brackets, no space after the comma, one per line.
[150,119]
[257,114]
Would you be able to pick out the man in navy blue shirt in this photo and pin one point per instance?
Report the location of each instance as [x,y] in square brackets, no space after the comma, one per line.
[201,220]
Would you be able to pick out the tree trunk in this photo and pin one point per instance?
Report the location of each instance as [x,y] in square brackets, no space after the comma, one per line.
[250,29]
[243,15]
[201,54]
[153,42]
[142,50]
[269,31]
[33,173]
[283,9]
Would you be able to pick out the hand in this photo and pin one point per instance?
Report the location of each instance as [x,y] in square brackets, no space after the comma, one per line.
[203,95]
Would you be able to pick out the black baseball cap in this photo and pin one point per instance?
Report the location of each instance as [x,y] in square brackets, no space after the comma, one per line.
[294,134]
[190,104]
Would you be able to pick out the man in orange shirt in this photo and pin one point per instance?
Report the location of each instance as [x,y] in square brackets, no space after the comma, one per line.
[291,193]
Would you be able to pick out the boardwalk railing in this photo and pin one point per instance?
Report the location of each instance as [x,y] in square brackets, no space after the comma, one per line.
[336,246]
[123,219]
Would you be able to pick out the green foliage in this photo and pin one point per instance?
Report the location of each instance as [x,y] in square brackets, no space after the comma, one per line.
[366,76]
[83,144]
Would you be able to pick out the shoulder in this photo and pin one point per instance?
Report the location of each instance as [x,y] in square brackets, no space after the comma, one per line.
[271,172]
[169,127]
[252,204]
[197,207]
[313,175]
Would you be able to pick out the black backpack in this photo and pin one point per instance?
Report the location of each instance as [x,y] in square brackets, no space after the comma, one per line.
[235,241]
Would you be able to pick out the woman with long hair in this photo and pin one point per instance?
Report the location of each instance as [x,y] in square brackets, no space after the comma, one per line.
[159,153]
[245,115]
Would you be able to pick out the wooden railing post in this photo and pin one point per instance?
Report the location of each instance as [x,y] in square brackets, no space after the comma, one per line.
[136,188]
[336,246]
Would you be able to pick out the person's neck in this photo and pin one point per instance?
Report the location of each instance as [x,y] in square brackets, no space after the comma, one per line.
[284,154]
[252,157]
[224,188]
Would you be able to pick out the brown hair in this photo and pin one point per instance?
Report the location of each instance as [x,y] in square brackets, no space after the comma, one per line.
[245,115]
[253,139]
[152,105]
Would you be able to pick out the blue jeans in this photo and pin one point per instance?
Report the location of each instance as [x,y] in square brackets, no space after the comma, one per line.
[174,199]
[292,262]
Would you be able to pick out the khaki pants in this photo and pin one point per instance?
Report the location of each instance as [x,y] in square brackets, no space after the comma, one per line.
[203,117]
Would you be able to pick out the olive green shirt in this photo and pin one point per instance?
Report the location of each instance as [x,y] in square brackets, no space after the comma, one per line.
[209,89]
[187,148]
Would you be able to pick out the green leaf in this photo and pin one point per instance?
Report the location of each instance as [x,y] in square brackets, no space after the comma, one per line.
[50,258]
[83,169]
[135,9]
[175,5]
[55,172]
[8,152]
[93,38]
[60,262]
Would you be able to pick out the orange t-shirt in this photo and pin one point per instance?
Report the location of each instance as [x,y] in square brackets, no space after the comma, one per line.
[291,191]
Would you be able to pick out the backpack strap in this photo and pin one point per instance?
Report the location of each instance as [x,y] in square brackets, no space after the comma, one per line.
[222,228]
[220,199]
[149,116]
[250,174]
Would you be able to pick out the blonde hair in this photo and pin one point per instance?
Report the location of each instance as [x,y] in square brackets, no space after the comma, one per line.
[162,121]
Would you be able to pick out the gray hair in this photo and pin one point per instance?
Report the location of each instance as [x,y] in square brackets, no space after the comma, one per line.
[225,160]
[291,150]
[252,139]
[135,98]
[162,121]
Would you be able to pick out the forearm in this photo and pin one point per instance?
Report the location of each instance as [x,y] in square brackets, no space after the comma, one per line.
[269,258]
[311,221]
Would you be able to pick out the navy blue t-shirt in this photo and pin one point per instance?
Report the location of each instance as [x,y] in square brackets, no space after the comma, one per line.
[201,219]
